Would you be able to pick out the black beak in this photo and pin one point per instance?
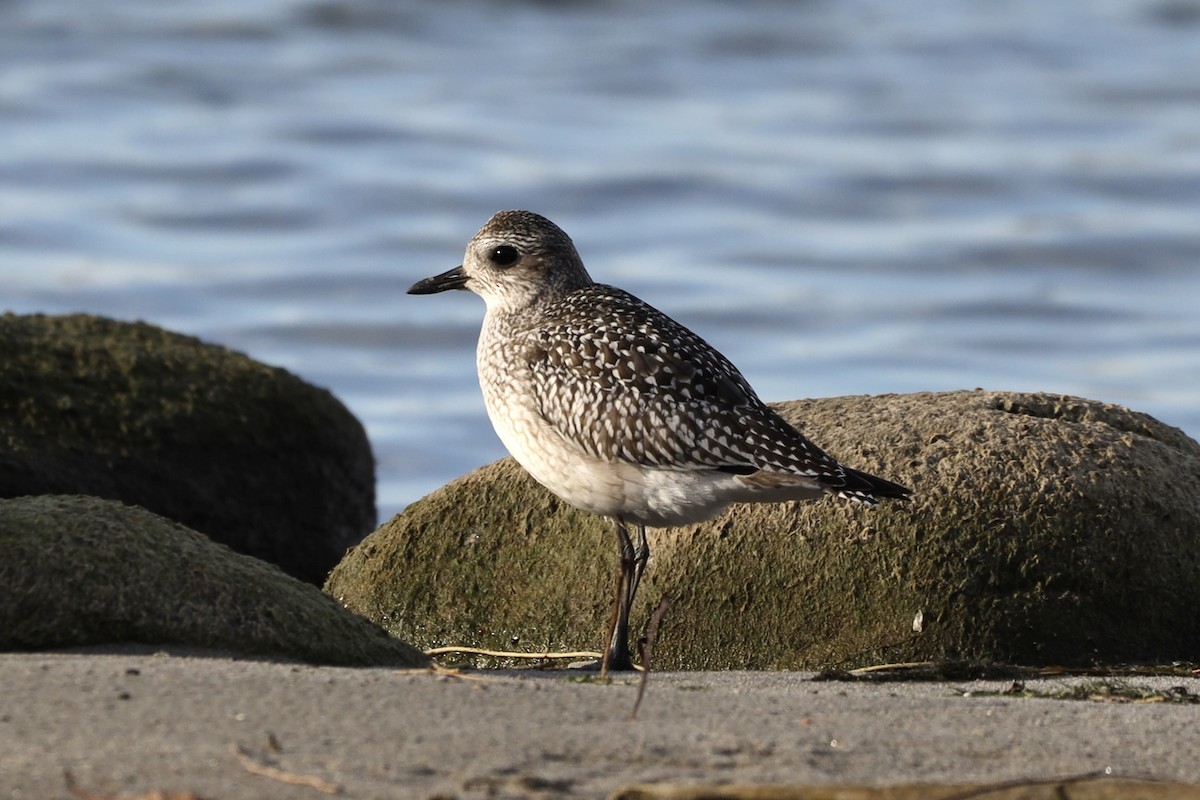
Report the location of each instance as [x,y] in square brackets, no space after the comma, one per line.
[450,279]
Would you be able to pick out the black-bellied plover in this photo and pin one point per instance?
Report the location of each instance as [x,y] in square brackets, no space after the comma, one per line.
[620,410]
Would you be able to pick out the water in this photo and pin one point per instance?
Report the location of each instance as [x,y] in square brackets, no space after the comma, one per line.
[845,197]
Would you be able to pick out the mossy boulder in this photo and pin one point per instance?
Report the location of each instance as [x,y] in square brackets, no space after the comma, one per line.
[1043,530]
[245,453]
[85,571]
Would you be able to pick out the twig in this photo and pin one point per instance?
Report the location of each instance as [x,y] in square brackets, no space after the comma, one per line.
[437,651]
[274,773]
[154,794]
[438,671]
[647,648]
[887,667]
[993,788]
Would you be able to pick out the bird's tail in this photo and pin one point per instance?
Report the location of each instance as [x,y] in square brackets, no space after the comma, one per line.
[864,488]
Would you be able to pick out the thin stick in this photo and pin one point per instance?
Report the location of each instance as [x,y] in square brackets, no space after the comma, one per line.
[274,773]
[437,651]
[154,794]
[647,648]
[994,788]
[884,667]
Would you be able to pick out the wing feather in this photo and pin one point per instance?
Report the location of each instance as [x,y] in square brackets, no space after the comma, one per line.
[625,383]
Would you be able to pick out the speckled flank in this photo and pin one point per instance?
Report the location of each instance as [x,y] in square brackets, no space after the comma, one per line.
[615,407]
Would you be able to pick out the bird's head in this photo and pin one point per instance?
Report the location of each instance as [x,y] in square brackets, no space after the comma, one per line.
[516,260]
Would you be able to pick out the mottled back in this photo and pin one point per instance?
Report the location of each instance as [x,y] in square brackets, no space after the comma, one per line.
[627,383]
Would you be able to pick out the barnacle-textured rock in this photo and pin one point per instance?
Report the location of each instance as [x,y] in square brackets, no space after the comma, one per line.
[1043,529]
[245,453]
[85,571]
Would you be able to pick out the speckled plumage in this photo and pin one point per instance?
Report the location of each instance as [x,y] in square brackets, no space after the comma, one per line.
[614,406]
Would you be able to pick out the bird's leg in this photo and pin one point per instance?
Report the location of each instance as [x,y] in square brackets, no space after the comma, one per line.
[641,555]
[631,564]
[616,647]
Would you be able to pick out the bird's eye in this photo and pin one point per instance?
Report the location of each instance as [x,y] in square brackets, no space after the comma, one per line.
[504,255]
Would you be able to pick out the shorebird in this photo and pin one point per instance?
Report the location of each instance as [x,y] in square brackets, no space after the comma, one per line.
[618,409]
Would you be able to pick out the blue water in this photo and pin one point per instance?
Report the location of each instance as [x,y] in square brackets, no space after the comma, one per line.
[845,197]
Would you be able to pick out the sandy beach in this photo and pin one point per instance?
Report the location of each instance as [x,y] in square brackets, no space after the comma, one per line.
[129,724]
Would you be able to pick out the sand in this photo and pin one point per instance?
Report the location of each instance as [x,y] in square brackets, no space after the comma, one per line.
[132,723]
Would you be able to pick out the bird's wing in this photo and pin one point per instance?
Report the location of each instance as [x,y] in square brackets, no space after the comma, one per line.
[629,384]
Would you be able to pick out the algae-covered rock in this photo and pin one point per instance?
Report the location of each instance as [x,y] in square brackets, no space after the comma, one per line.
[81,571]
[247,454]
[1043,529]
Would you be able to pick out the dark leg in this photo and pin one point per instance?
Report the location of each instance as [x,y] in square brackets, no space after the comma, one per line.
[631,564]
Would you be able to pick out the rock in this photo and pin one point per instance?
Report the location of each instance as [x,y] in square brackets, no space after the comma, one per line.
[248,454]
[1044,530]
[83,571]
